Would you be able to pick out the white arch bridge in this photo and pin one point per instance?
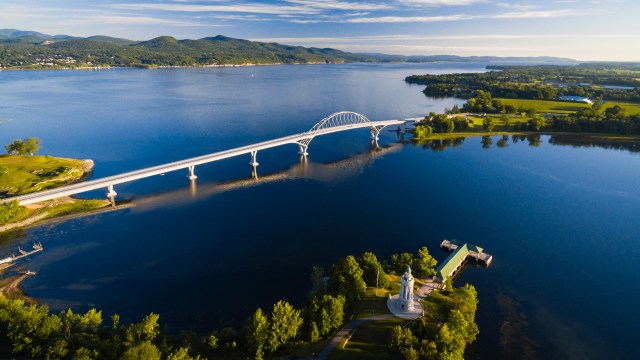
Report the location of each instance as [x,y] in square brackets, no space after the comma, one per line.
[340,121]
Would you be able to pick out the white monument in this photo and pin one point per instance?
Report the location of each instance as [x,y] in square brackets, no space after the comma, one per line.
[406,291]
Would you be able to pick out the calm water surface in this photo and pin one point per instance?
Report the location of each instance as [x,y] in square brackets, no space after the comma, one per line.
[560,221]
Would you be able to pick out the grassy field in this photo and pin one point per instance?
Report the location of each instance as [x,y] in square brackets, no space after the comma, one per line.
[26,174]
[369,341]
[564,107]
[54,208]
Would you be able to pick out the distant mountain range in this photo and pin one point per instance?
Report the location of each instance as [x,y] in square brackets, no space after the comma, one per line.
[31,49]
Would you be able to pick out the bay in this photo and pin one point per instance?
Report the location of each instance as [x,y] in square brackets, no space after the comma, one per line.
[559,220]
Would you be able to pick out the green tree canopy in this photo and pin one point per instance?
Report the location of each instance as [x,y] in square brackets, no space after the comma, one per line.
[424,265]
[372,272]
[346,280]
[17,147]
[326,313]
[256,334]
[32,145]
[399,262]
[285,323]
[488,124]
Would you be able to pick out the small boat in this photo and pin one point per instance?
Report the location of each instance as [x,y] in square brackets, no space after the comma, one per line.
[28,273]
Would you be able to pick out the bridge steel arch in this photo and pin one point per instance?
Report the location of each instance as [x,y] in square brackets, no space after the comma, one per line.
[340,121]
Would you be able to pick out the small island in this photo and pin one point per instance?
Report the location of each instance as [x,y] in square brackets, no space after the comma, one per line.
[23,173]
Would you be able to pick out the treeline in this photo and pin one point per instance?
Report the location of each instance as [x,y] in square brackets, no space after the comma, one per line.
[538,82]
[30,331]
[595,119]
[161,51]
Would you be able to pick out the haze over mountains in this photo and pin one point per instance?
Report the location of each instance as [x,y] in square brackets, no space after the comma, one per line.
[31,49]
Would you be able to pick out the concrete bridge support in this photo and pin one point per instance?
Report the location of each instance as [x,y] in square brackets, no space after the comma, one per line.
[111,195]
[303,149]
[253,161]
[192,174]
[375,132]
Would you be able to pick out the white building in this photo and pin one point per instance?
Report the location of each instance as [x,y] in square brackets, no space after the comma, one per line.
[576,99]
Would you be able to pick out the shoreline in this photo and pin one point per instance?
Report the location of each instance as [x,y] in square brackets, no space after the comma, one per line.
[155,67]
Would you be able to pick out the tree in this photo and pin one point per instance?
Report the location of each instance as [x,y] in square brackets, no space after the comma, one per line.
[17,147]
[256,333]
[326,313]
[403,341]
[536,123]
[145,330]
[424,265]
[181,354]
[143,351]
[285,323]
[10,211]
[506,120]
[442,123]
[422,131]
[32,145]
[346,280]
[488,124]
[399,262]
[372,272]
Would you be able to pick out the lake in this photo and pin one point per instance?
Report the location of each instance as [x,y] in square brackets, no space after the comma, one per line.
[560,221]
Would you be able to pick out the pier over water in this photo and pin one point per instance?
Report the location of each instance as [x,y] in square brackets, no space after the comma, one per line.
[460,252]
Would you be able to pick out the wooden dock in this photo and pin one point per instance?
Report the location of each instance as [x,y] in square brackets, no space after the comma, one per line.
[479,256]
[460,252]
[8,261]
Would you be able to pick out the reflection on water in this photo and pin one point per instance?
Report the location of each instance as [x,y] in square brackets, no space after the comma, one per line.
[331,173]
[579,141]
[486,141]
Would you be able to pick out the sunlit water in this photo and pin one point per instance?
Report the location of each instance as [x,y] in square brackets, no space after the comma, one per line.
[560,221]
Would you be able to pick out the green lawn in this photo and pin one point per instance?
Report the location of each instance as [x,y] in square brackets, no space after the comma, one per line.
[369,341]
[26,174]
[564,107]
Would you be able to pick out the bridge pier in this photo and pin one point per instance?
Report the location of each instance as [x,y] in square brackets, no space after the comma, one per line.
[192,173]
[374,133]
[253,161]
[111,195]
[303,149]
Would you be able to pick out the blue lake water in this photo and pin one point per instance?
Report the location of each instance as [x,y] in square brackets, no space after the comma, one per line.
[561,221]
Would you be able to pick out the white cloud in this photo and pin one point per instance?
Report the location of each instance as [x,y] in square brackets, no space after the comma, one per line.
[543,14]
[339,5]
[440,2]
[410,19]
[239,8]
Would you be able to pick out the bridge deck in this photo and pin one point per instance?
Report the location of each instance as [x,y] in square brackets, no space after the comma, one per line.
[183,164]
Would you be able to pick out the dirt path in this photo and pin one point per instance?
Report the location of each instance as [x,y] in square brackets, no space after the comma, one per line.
[24,223]
[10,288]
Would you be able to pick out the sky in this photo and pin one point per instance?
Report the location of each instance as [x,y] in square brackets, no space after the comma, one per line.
[589,30]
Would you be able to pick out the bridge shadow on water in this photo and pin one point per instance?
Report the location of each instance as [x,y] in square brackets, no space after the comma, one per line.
[330,173]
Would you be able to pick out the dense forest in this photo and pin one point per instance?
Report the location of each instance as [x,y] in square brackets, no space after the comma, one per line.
[37,52]
[600,81]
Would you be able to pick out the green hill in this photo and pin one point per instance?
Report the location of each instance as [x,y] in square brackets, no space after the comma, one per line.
[19,49]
